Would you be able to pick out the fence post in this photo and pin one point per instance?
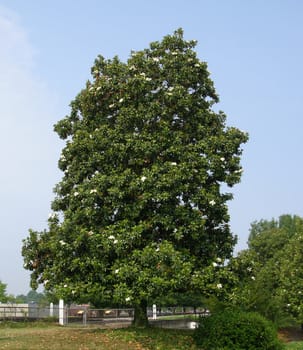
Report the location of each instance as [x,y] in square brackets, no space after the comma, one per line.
[85,317]
[61,312]
[154,312]
[51,310]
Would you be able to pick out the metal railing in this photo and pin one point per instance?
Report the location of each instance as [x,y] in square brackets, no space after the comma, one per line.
[85,315]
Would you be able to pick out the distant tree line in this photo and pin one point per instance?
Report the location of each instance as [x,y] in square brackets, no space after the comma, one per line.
[30,297]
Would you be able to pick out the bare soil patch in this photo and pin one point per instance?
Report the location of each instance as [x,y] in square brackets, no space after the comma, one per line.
[291,334]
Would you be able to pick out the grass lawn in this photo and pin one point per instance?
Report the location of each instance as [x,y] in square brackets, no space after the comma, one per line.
[51,337]
[296,345]
[37,336]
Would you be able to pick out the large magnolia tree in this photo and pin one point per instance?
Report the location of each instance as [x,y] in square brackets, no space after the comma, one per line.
[140,210]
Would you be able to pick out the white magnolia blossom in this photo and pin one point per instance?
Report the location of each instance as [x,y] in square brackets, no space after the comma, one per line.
[156,90]
[76,194]
[171,88]
[52,216]
[91,88]
[148,79]
[253,278]
[121,100]
[219,260]
[173,163]
[215,264]
[239,171]
[93,191]
[115,241]
[127,299]
[156,59]
[62,242]
[117,271]
[143,178]
[111,105]
[222,159]
[111,237]
[98,88]
[212,202]
[90,233]
[219,285]
[65,286]
[45,282]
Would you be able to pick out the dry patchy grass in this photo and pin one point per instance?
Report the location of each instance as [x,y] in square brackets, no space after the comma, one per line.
[65,338]
[52,338]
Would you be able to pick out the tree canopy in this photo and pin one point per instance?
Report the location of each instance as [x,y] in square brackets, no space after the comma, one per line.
[270,272]
[140,210]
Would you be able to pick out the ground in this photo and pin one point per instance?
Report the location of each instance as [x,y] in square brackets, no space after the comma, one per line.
[291,334]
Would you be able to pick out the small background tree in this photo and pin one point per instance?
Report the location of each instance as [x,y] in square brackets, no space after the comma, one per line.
[269,272]
[3,295]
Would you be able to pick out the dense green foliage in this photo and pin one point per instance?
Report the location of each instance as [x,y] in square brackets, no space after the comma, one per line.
[236,330]
[140,210]
[270,272]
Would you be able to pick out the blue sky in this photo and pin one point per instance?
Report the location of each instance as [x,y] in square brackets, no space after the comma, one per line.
[254,53]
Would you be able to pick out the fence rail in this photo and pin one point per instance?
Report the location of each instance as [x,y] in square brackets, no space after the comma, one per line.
[95,316]
[84,314]
[19,312]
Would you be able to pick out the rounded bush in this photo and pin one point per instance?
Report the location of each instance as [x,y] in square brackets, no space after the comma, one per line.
[236,330]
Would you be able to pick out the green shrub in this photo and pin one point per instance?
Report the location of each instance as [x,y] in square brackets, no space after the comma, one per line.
[236,330]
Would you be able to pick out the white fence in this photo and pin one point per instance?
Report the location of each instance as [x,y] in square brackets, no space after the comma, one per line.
[18,312]
[64,314]
[84,314]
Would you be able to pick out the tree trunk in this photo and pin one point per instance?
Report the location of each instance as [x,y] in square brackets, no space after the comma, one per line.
[140,317]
